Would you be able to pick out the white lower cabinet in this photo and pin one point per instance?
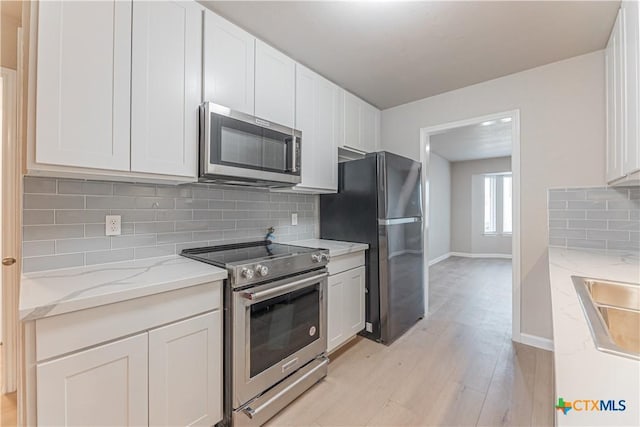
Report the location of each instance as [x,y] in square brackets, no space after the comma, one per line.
[166,372]
[185,369]
[345,306]
[106,385]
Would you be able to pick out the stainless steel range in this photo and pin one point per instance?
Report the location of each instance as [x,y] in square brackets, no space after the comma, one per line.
[275,325]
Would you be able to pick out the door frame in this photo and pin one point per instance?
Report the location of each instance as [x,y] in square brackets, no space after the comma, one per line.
[515,170]
[11,226]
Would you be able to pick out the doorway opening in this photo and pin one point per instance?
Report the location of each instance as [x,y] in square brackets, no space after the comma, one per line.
[472,204]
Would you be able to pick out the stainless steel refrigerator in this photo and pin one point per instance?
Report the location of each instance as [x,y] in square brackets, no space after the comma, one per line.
[379,202]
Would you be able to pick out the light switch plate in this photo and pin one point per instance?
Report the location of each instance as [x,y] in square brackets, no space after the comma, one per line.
[294,219]
[113,226]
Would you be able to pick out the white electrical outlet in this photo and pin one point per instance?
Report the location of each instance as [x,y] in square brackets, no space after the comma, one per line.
[112,225]
[294,219]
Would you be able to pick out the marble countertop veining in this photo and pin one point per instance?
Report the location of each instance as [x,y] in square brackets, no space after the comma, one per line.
[54,292]
[336,247]
[582,372]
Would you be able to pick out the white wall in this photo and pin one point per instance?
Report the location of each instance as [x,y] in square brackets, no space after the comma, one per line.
[562,120]
[467,207]
[439,206]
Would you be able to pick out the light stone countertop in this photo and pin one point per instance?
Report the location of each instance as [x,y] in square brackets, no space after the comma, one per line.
[54,292]
[336,247]
[581,371]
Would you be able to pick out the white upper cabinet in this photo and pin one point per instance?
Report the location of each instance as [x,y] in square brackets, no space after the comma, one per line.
[631,154]
[306,122]
[274,85]
[361,125]
[326,149]
[368,127]
[352,122]
[622,73]
[317,117]
[614,168]
[229,55]
[166,80]
[83,84]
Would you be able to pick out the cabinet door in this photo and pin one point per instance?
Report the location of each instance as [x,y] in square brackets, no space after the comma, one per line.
[185,372]
[326,150]
[631,152]
[275,85]
[352,136]
[315,117]
[339,118]
[83,84]
[377,130]
[615,101]
[228,64]
[166,87]
[368,127]
[306,122]
[354,301]
[106,385]
[335,311]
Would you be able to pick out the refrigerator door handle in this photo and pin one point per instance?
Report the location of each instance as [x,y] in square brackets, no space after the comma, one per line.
[396,221]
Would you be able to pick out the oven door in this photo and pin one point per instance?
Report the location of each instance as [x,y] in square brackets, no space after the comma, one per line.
[277,328]
[237,146]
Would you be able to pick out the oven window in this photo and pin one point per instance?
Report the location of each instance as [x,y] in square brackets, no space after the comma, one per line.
[283,325]
[236,143]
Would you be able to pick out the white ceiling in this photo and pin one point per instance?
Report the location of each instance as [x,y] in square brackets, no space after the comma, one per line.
[390,53]
[481,141]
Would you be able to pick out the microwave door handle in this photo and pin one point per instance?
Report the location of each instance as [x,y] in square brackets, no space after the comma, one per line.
[254,297]
[294,155]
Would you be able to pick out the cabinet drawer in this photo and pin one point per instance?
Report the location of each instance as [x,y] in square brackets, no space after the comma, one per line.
[345,262]
[73,331]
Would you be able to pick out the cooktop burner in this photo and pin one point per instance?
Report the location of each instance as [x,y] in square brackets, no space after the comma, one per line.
[242,253]
[253,262]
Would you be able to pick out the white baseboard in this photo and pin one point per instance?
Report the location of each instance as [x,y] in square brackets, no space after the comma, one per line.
[440,258]
[536,341]
[478,255]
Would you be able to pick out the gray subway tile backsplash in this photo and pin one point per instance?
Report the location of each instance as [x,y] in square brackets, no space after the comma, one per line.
[605,218]
[64,219]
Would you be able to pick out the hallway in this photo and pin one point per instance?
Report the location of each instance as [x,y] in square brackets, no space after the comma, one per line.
[457,366]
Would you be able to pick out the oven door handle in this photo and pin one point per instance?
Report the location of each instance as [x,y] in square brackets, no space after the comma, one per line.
[279,290]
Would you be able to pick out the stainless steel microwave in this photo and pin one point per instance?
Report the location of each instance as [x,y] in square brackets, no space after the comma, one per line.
[240,149]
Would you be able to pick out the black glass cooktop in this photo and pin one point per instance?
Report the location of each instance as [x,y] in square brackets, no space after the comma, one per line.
[242,253]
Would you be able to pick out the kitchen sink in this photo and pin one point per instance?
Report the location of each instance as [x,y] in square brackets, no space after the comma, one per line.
[612,310]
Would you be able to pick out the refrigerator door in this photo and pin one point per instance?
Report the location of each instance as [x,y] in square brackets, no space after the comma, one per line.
[399,187]
[401,276]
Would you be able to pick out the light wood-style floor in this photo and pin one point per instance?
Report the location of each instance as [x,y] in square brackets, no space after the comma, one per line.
[458,366]
[8,405]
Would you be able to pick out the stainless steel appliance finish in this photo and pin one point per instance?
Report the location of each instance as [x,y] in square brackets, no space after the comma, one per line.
[261,409]
[612,310]
[240,149]
[296,335]
[254,262]
[274,325]
[379,202]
